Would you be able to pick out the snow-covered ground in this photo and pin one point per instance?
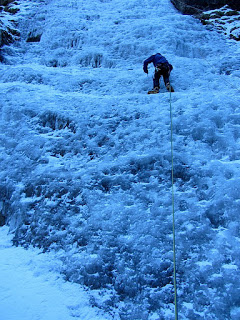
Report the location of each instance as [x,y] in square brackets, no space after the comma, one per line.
[86,164]
[31,288]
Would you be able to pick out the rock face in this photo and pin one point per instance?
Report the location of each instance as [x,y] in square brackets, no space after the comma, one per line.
[196,6]
[8,32]
[234,4]
[5,36]
[224,20]
[5,2]
[222,15]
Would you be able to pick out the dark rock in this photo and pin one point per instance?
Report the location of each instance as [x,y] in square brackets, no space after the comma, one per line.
[34,36]
[8,34]
[224,20]
[5,37]
[235,35]
[11,10]
[222,15]
[5,2]
[197,6]
[1,56]
[2,219]
[234,4]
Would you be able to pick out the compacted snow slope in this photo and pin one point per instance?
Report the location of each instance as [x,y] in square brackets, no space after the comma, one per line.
[31,288]
[86,159]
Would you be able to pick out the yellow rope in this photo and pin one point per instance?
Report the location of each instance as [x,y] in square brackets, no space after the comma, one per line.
[173,215]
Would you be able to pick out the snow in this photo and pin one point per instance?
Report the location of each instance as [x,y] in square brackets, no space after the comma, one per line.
[31,287]
[85,182]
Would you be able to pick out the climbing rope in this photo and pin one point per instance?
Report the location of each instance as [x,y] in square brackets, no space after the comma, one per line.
[173,214]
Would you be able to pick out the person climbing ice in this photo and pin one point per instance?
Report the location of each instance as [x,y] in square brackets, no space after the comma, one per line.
[162,68]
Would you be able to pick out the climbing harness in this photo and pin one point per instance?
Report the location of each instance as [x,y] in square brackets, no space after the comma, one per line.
[173,215]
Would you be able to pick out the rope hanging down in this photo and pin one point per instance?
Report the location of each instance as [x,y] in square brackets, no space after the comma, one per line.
[173,216]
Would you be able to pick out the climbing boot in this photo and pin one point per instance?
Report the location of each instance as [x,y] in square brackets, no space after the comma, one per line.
[154,90]
[169,87]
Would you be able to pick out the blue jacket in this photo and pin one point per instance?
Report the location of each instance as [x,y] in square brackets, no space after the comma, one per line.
[156,59]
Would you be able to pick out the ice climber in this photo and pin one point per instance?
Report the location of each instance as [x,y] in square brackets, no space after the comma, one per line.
[162,68]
